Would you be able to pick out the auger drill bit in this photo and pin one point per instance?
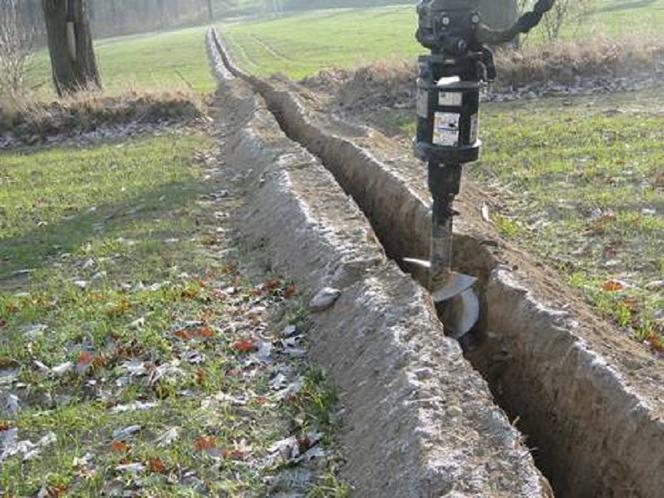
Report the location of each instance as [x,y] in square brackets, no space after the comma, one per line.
[448,84]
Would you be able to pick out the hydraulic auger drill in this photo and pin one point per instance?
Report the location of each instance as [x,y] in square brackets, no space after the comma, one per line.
[448,96]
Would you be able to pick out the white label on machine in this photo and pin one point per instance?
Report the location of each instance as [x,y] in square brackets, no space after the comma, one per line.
[446,129]
[474,126]
[450,98]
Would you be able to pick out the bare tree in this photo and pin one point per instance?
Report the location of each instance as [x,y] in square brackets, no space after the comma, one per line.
[16,44]
[564,13]
[70,45]
[210,10]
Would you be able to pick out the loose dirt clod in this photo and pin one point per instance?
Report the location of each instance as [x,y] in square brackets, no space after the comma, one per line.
[325,298]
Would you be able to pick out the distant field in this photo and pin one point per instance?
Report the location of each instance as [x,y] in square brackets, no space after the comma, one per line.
[299,44]
[172,59]
[302,44]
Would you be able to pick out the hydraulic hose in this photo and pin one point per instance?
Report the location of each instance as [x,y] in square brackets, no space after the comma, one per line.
[526,22]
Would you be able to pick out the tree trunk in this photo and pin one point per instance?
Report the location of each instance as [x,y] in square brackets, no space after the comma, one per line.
[210,10]
[70,46]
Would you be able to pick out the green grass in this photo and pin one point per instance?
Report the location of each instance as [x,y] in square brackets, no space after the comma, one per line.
[135,222]
[302,44]
[583,188]
[172,59]
[297,44]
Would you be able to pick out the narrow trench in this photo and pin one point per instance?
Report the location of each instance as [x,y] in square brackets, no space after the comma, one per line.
[558,425]
[467,260]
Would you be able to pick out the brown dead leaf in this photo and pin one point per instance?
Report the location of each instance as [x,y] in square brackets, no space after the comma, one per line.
[198,332]
[290,291]
[201,376]
[237,455]
[120,447]
[245,346]
[182,334]
[656,342]
[204,332]
[85,358]
[156,466]
[205,443]
[632,304]
[273,284]
[613,285]
[4,425]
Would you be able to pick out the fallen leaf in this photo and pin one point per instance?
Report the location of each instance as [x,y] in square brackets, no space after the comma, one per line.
[204,332]
[126,432]
[290,291]
[245,346]
[485,212]
[167,438]
[132,468]
[135,406]
[63,368]
[238,455]
[156,466]
[205,443]
[201,376]
[119,447]
[85,358]
[183,334]
[613,285]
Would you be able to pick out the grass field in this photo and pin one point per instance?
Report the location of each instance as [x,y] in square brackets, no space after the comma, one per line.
[154,61]
[303,44]
[581,184]
[126,341]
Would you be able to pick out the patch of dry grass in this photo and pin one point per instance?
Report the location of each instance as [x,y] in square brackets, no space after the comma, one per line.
[392,82]
[565,61]
[32,121]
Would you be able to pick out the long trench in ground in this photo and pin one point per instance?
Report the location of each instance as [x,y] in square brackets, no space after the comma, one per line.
[562,417]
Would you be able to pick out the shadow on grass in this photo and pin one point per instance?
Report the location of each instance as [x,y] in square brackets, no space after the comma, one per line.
[38,248]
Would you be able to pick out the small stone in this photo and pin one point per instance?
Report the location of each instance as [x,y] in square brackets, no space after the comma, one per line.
[324,299]
[63,368]
[423,373]
[289,331]
[655,285]
[454,411]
